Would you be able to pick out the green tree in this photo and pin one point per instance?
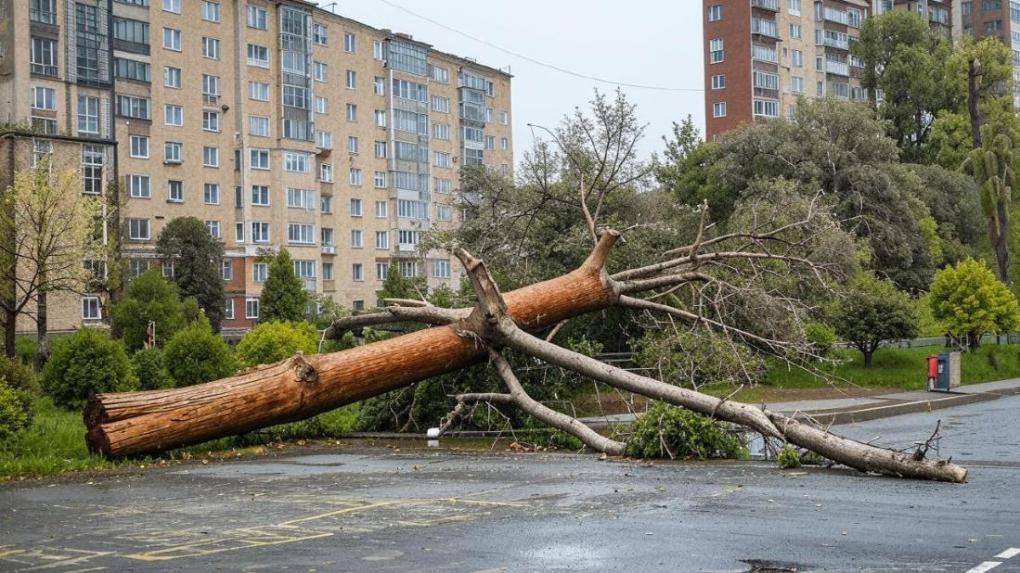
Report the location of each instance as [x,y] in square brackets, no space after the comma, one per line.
[150,369]
[690,171]
[197,259]
[397,285]
[84,364]
[992,168]
[969,301]
[274,341]
[151,298]
[196,355]
[283,295]
[14,416]
[872,311]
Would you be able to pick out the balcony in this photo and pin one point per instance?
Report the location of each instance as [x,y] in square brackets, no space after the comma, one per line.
[43,16]
[841,42]
[838,68]
[837,16]
[44,70]
[329,249]
[764,27]
[772,5]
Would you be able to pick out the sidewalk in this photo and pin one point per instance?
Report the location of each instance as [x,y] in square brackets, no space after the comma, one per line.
[850,410]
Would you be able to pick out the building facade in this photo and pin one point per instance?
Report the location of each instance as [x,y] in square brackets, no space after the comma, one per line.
[277,123]
[996,18]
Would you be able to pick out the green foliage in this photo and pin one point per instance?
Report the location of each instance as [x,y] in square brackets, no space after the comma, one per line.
[968,300]
[151,298]
[820,336]
[150,369]
[15,412]
[397,285]
[283,295]
[274,341]
[788,457]
[323,310]
[24,348]
[695,357]
[873,310]
[19,376]
[198,264]
[86,363]
[196,355]
[668,431]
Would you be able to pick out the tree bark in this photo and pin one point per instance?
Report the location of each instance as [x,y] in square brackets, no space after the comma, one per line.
[10,333]
[1001,240]
[868,356]
[973,76]
[41,318]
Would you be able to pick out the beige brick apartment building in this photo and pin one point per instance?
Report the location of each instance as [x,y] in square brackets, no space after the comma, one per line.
[277,123]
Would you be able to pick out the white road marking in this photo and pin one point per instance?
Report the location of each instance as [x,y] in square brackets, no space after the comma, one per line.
[1009,553]
[986,566]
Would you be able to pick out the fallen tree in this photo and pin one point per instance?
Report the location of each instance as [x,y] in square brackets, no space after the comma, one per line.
[147,422]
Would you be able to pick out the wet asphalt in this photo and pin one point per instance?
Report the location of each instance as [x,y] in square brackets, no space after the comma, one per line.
[350,509]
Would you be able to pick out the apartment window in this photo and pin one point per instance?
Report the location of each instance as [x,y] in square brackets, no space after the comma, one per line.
[138,229]
[228,306]
[326,173]
[797,85]
[210,156]
[258,91]
[43,57]
[715,12]
[490,142]
[382,239]
[214,228]
[320,71]
[172,77]
[258,125]
[211,48]
[441,269]
[355,207]
[440,74]
[379,86]
[324,139]
[351,79]
[134,70]
[175,191]
[504,143]
[443,212]
[173,115]
[172,39]
[211,194]
[139,146]
[92,160]
[251,308]
[139,187]
[357,272]
[380,209]
[326,204]
[44,11]
[797,58]
[357,237]
[258,55]
[210,11]
[382,270]
[408,238]
[260,195]
[377,50]
[321,105]
[172,6]
[407,209]
[350,43]
[355,176]
[210,120]
[380,149]
[239,232]
[257,18]
[715,51]
[380,118]
[90,308]
[300,198]
[441,131]
[88,115]
[296,162]
[719,109]
[352,112]
[794,7]
[327,271]
[440,104]
[44,98]
[228,274]
[766,108]
[259,158]
[379,179]
[504,118]
[300,233]
[442,159]
[133,106]
[795,31]
[319,35]
[408,268]
[442,185]
[260,232]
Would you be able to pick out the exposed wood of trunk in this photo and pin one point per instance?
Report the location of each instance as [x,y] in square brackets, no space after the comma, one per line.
[146,422]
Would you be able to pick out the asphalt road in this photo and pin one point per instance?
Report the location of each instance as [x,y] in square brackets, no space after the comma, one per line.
[427,510]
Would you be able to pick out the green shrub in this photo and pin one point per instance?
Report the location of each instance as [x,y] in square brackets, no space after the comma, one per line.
[151,298]
[24,349]
[85,363]
[195,355]
[15,412]
[273,341]
[820,336]
[666,431]
[788,457]
[19,375]
[150,369]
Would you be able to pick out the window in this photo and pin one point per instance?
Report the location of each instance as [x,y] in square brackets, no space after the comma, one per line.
[441,269]
[88,115]
[355,176]
[172,152]
[441,131]
[443,212]
[211,194]
[210,156]
[258,125]
[172,6]
[719,109]
[259,158]
[44,11]
[260,231]
[350,43]
[320,71]
[173,115]
[300,198]
[377,50]
[797,58]
[43,57]
[379,179]
[90,308]
[258,55]
[138,229]
[172,77]
[357,272]
[766,108]
[257,18]
[321,105]
[407,209]
[351,79]
[382,239]
[382,270]
[380,118]
[175,191]
[258,91]
[210,120]
[251,308]
[326,173]
[504,118]
[210,11]
[260,195]
[408,268]
[125,69]
[442,159]
[408,238]
[228,305]
[132,35]
[214,228]
[139,146]
[90,33]
[380,209]
[715,49]
[380,149]
[796,85]
[440,74]
[324,139]
[355,207]
[260,272]
[352,144]
[172,39]
[133,106]
[715,12]
[211,48]
[326,204]
[138,186]
[379,86]
[794,7]
[92,160]
[443,185]
[795,31]
[44,98]
[327,271]
[352,112]
[504,143]
[300,233]
[319,35]
[239,232]
[490,142]
[357,241]
[296,162]
[719,82]
[441,104]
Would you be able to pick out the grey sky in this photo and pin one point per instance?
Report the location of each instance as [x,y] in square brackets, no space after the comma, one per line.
[651,42]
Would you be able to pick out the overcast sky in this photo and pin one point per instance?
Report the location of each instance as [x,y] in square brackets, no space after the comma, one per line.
[649,42]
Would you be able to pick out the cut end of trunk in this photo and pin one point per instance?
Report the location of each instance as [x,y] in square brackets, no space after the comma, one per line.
[95,413]
[98,442]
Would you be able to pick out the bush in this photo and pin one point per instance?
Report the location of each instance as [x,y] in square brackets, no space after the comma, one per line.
[24,349]
[19,375]
[84,364]
[196,355]
[273,341]
[15,412]
[788,457]
[820,336]
[666,431]
[150,369]
[151,298]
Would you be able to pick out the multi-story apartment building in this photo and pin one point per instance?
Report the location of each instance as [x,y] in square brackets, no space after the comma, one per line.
[939,13]
[276,122]
[998,18]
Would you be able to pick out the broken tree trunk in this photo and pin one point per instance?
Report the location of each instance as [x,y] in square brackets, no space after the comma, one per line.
[133,423]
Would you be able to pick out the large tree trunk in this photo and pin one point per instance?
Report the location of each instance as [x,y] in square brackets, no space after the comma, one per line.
[41,318]
[1001,239]
[10,333]
[973,97]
